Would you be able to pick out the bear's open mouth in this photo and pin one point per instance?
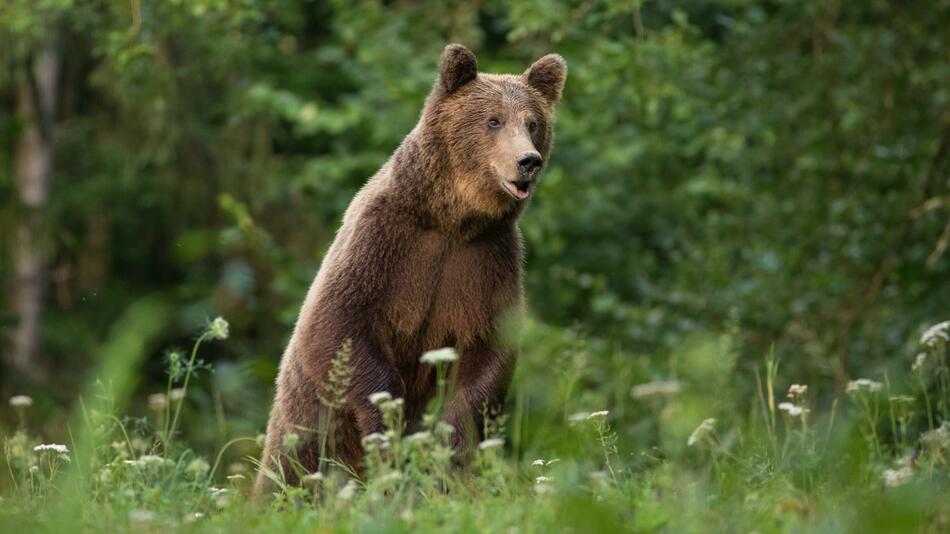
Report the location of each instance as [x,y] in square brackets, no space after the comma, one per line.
[520,189]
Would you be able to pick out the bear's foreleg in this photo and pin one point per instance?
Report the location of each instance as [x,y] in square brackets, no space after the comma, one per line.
[481,384]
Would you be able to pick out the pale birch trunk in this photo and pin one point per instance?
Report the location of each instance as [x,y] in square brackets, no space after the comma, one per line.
[34,164]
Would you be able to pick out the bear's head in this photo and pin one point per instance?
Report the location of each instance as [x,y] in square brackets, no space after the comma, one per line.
[495,130]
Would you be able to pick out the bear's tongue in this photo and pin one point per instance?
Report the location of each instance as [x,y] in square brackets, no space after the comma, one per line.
[520,189]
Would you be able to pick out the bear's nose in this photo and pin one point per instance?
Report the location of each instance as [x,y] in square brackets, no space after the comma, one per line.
[529,165]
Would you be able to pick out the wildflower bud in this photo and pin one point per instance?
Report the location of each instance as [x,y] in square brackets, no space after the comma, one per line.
[219,328]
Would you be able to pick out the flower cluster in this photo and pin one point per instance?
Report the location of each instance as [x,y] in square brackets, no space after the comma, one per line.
[219,328]
[862,385]
[936,334]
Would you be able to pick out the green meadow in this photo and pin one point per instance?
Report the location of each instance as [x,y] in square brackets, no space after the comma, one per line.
[736,275]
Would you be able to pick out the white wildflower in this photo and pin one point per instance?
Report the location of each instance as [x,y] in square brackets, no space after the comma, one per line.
[157,401]
[419,437]
[237,467]
[154,459]
[198,466]
[435,357]
[864,384]
[797,390]
[706,428]
[380,397]
[217,492]
[34,469]
[539,462]
[792,409]
[919,362]
[901,399]
[938,438]
[597,415]
[578,417]
[375,438]
[21,401]
[542,479]
[236,477]
[937,333]
[177,394]
[149,460]
[897,477]
[348,491]
[55,447]
[655,389]
[104,475]
[219,328]
[491,443]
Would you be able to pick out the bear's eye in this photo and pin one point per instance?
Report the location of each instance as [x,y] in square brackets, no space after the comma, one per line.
[532,126]
[494,123]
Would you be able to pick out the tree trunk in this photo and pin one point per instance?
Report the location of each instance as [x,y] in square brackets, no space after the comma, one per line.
[34,163]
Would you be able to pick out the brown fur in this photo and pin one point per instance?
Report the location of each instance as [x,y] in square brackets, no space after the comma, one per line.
[429,255]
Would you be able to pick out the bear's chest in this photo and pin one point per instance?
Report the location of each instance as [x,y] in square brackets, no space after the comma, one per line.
[443,294]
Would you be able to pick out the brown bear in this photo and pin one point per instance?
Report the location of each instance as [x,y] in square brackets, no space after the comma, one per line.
[429,256]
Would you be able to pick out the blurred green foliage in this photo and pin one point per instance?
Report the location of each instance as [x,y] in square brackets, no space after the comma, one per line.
[772,169]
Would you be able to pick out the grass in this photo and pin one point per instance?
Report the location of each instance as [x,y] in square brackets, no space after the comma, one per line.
[705,448]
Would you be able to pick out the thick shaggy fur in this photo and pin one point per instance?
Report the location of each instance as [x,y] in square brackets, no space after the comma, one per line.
[429,255]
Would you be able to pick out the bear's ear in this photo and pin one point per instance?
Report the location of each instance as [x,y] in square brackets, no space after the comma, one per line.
[457,67]
[547,76]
